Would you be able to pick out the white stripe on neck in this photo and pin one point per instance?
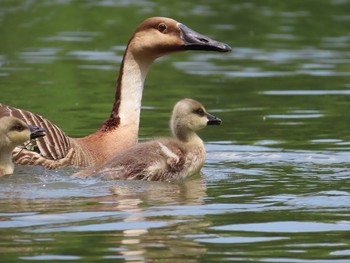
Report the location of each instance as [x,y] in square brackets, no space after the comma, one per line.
[132,83]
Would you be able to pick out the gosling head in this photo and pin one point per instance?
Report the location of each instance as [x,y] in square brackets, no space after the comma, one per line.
[190,116]
[157,36]
[14,132]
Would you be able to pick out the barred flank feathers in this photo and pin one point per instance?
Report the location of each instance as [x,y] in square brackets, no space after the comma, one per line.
[54,146]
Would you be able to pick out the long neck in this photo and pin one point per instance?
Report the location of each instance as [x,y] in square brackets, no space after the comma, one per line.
[127,103]
[120,131]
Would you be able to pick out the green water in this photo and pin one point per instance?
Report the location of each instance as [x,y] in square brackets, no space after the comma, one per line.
[275,187]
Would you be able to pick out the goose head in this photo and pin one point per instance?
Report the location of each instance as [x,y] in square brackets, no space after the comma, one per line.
[157,36]
[190,116]
[14,132]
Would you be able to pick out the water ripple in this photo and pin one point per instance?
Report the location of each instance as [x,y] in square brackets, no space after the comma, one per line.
[79,36]
[51,257]
[106,56]
[41,55]
[306,92]
[234,240]
[287,227]
[255,154]
[312,61]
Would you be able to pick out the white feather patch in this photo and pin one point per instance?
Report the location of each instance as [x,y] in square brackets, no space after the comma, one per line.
[168,153]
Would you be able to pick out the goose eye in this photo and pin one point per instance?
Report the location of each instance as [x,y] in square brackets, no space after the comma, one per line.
[200,112]
[162,27]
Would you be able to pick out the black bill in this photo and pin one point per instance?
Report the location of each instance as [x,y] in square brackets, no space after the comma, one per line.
[36,132]
[196,41]
[212,120]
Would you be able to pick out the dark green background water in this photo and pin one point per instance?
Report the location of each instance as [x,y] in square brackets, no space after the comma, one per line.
[275,187]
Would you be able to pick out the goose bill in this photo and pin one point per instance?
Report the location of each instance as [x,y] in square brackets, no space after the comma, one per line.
[195,41]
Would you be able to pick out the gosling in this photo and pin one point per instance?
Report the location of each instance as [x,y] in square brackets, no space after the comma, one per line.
[164,159]
[14,132]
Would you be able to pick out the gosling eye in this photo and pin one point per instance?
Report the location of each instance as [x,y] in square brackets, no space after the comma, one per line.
[162,27]
[200,112]
[18,128]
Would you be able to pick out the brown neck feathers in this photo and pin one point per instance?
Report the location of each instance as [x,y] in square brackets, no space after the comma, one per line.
[114,120]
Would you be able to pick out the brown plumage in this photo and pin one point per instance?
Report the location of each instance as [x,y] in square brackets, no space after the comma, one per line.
[165,159]
[155,37]
[14,132]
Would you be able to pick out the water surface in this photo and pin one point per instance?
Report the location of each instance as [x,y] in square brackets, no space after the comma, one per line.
[275,187]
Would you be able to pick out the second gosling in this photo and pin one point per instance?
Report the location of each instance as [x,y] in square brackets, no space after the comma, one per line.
[164,159]
[14,132]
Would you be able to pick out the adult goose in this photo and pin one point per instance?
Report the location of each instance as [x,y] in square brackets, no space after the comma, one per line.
[167,159]
[14,132]
[155,37]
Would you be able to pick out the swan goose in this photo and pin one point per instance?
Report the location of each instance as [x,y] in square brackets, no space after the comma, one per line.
[155,37]
[165,159]
[14,132]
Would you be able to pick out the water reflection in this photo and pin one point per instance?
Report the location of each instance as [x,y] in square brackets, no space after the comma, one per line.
[133,228]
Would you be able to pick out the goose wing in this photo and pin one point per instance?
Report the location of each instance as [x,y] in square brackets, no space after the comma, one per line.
[54,146]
